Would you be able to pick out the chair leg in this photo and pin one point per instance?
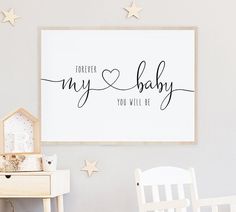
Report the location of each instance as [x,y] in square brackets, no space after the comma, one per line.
[60,205]
[47,205]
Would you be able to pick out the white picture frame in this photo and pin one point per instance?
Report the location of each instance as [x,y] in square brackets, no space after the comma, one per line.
[113,57]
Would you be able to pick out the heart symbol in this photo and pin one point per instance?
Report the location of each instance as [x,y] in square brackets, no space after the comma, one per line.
[110,77]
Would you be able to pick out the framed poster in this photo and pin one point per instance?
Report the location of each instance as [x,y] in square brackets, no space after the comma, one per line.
[118,85]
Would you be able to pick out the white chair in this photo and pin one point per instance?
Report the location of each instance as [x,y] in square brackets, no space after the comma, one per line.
[167,177]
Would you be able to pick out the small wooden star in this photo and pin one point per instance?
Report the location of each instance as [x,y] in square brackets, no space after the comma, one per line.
[133,10]
[90,167]
[10,17]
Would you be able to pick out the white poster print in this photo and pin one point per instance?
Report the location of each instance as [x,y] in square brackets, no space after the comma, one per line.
[118,85]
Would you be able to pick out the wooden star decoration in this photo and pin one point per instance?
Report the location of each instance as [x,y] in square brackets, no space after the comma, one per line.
[10,17]
[90,167]
[133,10]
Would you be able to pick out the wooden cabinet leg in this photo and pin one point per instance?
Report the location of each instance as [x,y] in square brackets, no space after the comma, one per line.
[47,205]
[60,206]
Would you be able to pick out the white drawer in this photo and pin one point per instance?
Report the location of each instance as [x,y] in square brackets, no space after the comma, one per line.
[25,185]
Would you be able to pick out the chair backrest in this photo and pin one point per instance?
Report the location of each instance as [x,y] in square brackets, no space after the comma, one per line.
[166,177]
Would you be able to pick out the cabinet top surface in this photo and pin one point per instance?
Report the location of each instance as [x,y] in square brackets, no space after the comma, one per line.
[42,173]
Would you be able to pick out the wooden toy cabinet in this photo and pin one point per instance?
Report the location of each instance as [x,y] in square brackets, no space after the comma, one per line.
[43,185]
[20,133]
[20,145]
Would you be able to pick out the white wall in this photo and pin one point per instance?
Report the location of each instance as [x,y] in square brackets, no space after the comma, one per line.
[112,189]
